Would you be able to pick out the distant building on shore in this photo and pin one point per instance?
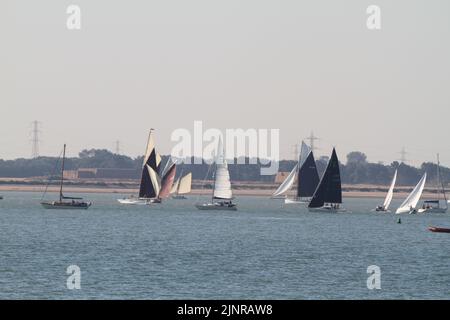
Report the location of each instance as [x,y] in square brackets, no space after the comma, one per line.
[103,173]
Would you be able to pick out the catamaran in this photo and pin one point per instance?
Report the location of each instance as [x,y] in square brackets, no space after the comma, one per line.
[182,186]
[62,203]
[307,178]
[387,202]
[434,206]
[222,195]
[410,203]
[328,195]
[150,185]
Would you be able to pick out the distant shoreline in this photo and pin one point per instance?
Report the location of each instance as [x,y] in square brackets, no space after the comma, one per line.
[240,189]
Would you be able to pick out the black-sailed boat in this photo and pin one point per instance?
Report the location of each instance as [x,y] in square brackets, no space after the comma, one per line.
[328,195]
[65,202]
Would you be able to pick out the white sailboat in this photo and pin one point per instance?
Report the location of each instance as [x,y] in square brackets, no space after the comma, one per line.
[307,179]
[434,206]
[150,180]
[222,195]
[410,203]
[182,187]
[387,202]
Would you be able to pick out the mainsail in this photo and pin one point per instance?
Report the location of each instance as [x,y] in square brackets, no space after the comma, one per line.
[308,177]
[287,183]
[185,184]
[390,194]
[329,189]
[222,184]
[167,182]
[414,197]
[150,181]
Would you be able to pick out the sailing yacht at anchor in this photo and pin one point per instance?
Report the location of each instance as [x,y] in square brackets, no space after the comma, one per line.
[387,201]
[328,195]
[74,203]
[434,206]
[150,185]
[307,178]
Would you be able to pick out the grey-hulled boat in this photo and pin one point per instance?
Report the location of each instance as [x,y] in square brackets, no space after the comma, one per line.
[65,202]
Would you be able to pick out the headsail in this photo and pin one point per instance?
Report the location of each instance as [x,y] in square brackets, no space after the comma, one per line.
[287,183]
[222,184]
[308,177]
[414,197]
[329,189]
[390,194]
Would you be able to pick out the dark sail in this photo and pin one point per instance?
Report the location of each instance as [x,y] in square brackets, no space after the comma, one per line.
[307,178]
[329,189]
[146,189]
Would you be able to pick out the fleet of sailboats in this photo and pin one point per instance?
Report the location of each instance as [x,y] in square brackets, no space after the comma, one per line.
[307,176]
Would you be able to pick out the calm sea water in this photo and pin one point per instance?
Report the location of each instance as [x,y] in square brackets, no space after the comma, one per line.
[173,251]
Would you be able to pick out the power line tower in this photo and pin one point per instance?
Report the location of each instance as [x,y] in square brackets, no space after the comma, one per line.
[117,147]
[403,154]
[311,139]
[35,140]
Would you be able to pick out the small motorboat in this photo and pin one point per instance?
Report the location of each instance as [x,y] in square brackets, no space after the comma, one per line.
[437,229]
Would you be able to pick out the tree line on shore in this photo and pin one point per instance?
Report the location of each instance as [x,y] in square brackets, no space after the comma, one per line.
[356,170]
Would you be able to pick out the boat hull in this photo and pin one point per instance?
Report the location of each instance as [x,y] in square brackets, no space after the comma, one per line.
[293,201]
[216,206]
[137,201]
[437,229]
[66,205]
[327,209]
[433,210]
[179,197]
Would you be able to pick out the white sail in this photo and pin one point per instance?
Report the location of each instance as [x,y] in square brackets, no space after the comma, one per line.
[175,186]
[185,184]
[154,178]
[222,184]
[150,147]
[304,152]
[413,198]
[287,183]
[390,194]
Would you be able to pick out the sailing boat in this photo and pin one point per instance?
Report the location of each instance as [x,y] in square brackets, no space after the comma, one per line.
[222,195]
[434,206]
[150,185]
[410,203]
[182,186]
[74,203]
[328,195]
[307,178]
[387,202]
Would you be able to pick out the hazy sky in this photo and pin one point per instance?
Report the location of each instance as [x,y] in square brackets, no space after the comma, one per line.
[293,65]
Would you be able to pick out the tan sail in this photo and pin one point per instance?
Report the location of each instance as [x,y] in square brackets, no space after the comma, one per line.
[185,184]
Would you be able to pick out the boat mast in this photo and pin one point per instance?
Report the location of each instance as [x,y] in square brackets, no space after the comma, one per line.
[62,175]
[440,182]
